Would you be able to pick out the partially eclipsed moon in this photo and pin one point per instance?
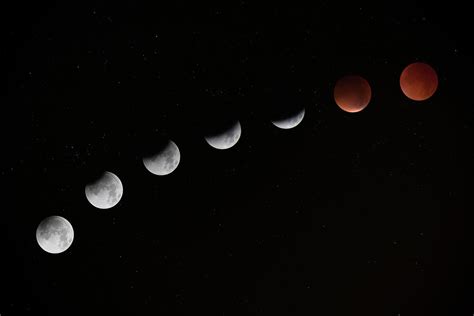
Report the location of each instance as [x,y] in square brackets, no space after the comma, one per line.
[225,139]
[105,192]
[291,121]
[165,161]
[54,234]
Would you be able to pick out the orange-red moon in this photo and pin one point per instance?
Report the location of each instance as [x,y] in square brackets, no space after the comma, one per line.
[419,81]
[352,93]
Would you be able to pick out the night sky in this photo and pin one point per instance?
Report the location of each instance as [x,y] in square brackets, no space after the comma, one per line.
[366,213]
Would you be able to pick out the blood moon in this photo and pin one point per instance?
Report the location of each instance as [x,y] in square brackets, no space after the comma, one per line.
[419,81]
[352,93]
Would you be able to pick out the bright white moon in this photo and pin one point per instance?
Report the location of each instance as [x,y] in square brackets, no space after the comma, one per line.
[225,139]
[105,192]
[165,161]
[54,234]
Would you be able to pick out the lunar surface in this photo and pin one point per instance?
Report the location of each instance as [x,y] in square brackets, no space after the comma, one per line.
[54,234]
[106,192]
[352,93]
[165,161]
[225,139]
[419,81]
[291,121]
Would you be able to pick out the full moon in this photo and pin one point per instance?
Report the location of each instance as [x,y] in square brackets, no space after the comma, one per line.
[290,121]
[225,139]
[419,81]
[54,234]
[352,93]
[165,161]
[106,192]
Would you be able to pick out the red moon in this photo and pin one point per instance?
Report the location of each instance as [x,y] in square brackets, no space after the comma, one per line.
[352,93]
[419,81]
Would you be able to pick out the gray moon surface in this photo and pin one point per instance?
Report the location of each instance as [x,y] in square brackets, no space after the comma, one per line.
[227,138]
[291,121]
[165,161]
[54,234]
[106,192]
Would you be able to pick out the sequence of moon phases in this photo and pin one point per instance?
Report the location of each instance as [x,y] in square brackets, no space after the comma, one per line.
[290,121]
[165,161]
[226,138]
[54,234]
[419,81]
[352,93]
[105,192]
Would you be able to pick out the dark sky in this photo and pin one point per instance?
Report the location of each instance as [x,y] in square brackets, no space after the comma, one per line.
[365,213]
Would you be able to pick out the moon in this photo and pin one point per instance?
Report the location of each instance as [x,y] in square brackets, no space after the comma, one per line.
[54,234]
[225,139]
[165,161]
[291,121]
[352,93]
[419,81]
[106,192]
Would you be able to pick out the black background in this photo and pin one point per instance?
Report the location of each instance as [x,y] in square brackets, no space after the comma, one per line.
[361,214]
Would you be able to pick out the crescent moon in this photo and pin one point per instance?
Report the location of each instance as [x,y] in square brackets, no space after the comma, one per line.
[225,139]
[291,121]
